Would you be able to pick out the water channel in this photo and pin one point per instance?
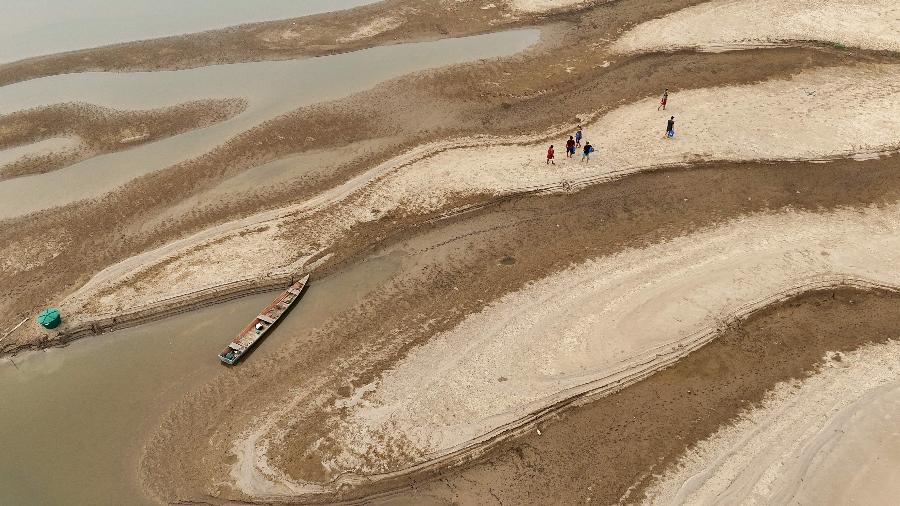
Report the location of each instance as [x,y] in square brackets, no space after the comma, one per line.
[37,27]
[272,89]
[75,419]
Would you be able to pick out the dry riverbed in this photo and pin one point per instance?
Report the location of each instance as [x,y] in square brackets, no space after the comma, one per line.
[536,310]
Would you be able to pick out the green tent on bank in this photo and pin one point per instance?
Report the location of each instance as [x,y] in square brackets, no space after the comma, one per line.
[49,318]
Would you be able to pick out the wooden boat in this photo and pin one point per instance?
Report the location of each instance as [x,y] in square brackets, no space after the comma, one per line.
[267,318]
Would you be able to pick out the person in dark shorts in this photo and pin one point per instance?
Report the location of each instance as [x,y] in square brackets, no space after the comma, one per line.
[670,128]
[550,156]
[578,137]
[570,147]
[663,100]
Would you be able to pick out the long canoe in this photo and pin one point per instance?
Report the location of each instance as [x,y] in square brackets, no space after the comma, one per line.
[267,318]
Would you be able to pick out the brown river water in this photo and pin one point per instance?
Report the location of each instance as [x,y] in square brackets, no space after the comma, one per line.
[75,419]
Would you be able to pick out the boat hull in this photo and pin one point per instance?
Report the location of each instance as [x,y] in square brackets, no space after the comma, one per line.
[264,322]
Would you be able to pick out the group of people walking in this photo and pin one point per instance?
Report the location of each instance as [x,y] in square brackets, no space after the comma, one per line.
[574,142]
[572,146]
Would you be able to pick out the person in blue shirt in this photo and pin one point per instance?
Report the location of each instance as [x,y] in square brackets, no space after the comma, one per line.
[578,137]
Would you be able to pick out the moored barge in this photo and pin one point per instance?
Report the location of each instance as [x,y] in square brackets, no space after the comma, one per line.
[267,318]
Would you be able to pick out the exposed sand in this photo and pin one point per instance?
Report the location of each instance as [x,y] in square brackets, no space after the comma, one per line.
[544,5]
[831,439]
[595,325]
[818,114]
[597,221]
[724,24]
[52,137]
[607,451]
[372,28]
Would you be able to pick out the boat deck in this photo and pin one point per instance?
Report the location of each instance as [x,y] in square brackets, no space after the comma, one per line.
[257,328]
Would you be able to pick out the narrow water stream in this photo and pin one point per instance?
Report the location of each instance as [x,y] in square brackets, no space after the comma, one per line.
[74,419]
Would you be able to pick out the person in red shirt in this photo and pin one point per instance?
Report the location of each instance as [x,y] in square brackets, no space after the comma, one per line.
[550,156]
[570,147]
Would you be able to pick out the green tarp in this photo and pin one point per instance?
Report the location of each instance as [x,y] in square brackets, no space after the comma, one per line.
[49,318]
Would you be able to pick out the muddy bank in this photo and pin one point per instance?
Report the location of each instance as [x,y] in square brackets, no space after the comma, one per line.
[107,227]
[101,130]
[80,327]
[608,450]
[457,265]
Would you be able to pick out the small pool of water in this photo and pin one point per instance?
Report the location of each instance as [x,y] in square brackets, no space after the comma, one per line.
[75,419]
[272,88]
[37,27]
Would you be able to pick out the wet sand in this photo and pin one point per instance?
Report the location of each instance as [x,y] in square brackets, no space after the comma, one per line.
[94,130]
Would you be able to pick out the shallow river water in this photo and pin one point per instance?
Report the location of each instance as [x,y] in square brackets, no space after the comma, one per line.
[36,27]
[272,88]
[75,419]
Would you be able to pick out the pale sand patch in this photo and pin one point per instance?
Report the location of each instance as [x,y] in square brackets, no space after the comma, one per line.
[543,5]
[40,148]
[831,439]
[868,24]
[373,28]
[816,114]
[596,322]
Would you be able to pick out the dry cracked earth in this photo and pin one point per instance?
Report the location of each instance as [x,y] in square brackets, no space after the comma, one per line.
[708,318]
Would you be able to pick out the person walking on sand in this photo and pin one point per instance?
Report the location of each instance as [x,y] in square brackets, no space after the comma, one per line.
[586,153]
[578,137]
[570,147]
[550,156]
[670,128]
[663,100]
